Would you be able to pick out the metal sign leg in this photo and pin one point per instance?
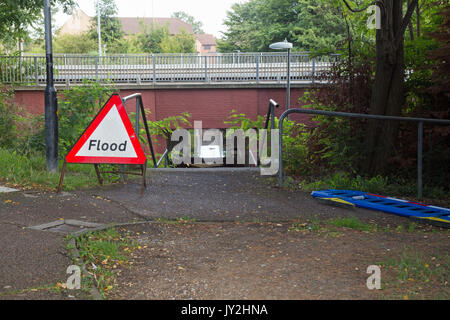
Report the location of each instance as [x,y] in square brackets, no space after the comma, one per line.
[99,177]
[61,179]
[144,181]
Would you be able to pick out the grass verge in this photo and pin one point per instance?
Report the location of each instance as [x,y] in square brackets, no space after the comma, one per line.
[378,184]
[414,275]
[352,223]
[103,252]
[337,225]
[333,226]
[30,172]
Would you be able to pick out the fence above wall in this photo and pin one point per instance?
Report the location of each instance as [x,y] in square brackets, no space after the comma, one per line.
[166,68]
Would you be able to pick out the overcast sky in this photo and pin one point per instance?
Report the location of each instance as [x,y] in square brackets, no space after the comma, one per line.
[210,12]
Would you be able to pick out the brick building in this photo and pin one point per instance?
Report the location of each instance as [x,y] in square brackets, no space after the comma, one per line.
[80,22]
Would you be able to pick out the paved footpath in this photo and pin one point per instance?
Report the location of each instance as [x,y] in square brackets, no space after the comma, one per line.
[32,259]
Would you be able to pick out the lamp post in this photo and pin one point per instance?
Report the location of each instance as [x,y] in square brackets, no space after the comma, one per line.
[280,46]
[51,102]
[98,30]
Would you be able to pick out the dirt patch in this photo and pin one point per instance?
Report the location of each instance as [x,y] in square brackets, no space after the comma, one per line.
[272,261]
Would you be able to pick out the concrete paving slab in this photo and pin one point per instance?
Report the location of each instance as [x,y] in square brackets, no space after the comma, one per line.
[7,190]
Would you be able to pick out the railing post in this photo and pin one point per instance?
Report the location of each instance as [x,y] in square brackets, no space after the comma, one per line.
[36,79]
[257,68]
[154,68]
[96,68]
[280,151]
[313,71]
[206,69]
[419,159]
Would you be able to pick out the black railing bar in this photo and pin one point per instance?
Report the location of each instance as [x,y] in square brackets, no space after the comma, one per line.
[140,105]
[363,116]
[270,117]
[132,96]
[270,113]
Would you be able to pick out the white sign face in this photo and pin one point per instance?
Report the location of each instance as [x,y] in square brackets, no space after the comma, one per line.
[110,139]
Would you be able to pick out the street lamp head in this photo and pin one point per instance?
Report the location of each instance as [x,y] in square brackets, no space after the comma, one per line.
[281,45]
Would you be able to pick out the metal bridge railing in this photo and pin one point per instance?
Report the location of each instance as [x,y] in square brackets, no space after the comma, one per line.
[165,68]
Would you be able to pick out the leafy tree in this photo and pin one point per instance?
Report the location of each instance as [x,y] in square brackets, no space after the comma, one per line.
[311,25]
[18,16]
[179,43]
[425,94]
[183,16]
[149,41]
[74,43]
[388,88]
[110,27]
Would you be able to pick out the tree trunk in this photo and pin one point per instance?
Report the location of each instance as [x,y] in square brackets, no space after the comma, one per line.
[387,93]
[418,20]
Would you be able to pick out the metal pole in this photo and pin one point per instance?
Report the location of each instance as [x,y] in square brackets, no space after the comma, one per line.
[288,89]
[51,102]
[206,69]
[280,151]
[136,125]
[419,160]
[99,30]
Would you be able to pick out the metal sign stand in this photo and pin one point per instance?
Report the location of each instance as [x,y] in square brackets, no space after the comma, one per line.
[143,167]
[100,179]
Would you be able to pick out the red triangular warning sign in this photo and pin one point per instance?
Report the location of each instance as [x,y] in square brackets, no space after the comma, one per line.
[110,138]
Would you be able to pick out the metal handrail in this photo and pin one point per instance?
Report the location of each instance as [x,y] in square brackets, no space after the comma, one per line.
[163,157]
[140,108]
[420,122]
[271,114]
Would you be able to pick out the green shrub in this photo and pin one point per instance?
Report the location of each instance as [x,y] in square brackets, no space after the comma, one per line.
[30,171]
[76,109]
[295,136]
[340,180]
[8,118]
[352,223]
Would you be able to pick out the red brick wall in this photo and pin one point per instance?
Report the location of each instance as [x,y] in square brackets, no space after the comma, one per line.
[212,106]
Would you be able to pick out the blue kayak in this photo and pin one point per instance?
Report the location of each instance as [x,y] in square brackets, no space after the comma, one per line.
[436,215]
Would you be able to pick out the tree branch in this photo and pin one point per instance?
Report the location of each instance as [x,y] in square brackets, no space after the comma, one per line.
[376,2]
[406,19]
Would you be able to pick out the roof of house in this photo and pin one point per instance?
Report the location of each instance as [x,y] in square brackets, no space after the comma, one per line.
[80,22]
[175,25]
[206,39]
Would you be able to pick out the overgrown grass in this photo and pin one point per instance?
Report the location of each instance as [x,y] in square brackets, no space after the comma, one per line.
[312,225]
[414,273]
[332,227]
[352,223]
[103,252]
[30,171]
[378,184]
